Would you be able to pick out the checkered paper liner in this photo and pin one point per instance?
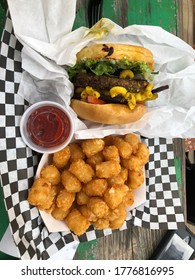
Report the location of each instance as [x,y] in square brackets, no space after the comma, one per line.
[18,165]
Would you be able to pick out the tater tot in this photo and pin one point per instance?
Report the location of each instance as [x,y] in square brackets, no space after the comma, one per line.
[134,163]
[75,152]
[133,140]
[95,159]
[98,206]
[107,169]
[128,200]
[96,187]
[70,182]
[114,196]
[77,222]
[143,153]
[121,178]
[61,158]
[135,179]
[117,223]
[83,171]
[111,153]
[48,204]
[39,192]
[101,224]
[59,214]
[51,174]
[86,212]
[82,198]
[124,148]
[92,146]
[65,200]
[109,140]
[48,210]
[116,213]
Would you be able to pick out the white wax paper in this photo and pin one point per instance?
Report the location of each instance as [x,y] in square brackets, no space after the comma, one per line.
[44,29]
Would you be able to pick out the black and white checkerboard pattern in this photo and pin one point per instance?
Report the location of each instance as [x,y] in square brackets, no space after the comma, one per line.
[18,166]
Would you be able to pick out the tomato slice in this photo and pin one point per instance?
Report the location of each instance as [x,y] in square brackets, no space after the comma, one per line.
[94,100]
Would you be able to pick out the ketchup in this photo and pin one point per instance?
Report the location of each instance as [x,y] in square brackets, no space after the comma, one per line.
[48,126]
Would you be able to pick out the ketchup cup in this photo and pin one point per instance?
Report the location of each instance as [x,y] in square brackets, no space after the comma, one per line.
[47,127]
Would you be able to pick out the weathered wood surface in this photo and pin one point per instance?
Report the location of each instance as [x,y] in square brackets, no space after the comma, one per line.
[185,20]
[174,16]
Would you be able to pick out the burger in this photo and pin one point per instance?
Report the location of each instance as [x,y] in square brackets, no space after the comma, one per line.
[112,82]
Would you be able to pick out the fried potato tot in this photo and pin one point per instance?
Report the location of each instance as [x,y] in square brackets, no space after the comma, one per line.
[108,140]
[83,171]
[133,140]
[121,178]
[101,224]
[70,182]
[96,187]
[51,174]
[114,195]
[95,159]
[42,194]
[82,198]
[135,179]
[98,206]
[76,152]
[107,169]
[117,223]
[77,222]
[59,214]
[143,153]
[128,200]
[111,153]
[49,203]
[124,148]
[61,158]
[134,163]
[86,212]
[116,213]
[65,200]
[50,209]
[92,146]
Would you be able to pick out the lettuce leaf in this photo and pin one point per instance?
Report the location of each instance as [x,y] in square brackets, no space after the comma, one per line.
[110,67]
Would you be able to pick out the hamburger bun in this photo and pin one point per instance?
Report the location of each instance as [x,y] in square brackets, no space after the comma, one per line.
[108,113]
[117,52]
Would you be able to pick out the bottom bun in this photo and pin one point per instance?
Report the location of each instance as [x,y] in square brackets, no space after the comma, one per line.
[107,113]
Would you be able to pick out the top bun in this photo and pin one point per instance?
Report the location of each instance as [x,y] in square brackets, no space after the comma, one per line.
[117,52]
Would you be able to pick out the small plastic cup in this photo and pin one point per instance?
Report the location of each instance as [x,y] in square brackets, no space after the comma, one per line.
[40,146]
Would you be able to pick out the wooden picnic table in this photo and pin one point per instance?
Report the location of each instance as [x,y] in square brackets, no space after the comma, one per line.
[176,17]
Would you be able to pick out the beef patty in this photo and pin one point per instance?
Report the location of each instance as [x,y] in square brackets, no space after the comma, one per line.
[107,82]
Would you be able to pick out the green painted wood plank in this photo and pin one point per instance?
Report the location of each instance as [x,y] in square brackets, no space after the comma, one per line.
[81,14]
[149,12]
[4,222]
[86,250]
[2,18]
[110,11]
[162,13]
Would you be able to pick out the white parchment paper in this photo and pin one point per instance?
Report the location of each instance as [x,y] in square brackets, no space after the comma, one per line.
[44,28]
